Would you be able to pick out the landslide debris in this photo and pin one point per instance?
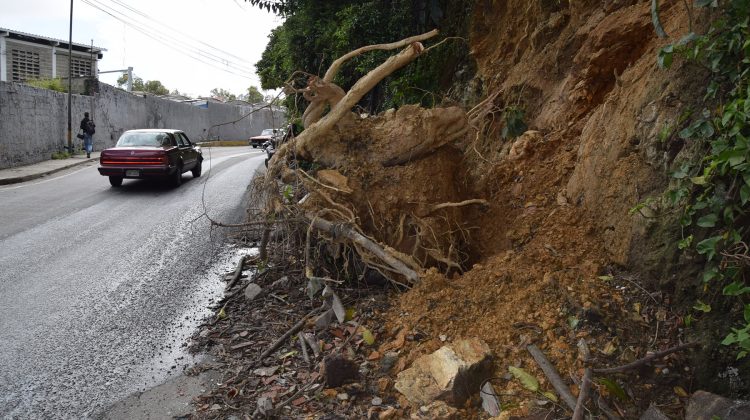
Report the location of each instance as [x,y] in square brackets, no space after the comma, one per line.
[516,241]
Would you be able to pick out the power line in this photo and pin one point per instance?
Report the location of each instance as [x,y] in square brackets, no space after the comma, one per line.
[177,44]
[134,10]
[157,34]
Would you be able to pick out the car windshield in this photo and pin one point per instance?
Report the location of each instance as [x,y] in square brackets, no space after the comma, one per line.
[267,132]
[130,139]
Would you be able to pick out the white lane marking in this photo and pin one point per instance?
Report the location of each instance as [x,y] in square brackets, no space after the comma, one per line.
[83,169]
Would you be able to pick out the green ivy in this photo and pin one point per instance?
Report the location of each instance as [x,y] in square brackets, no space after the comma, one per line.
[714,191]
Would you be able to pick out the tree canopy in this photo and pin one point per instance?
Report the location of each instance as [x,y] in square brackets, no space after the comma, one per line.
[316,33]
[151,86]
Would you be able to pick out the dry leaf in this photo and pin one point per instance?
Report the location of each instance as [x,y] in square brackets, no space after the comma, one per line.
[527,380]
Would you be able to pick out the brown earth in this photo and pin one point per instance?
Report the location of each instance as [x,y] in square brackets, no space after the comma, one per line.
[529,265]
[549,251]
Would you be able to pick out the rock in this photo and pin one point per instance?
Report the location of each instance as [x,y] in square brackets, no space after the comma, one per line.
[281,283]
[383,384]
[252,291]
[452,374]
[340,370]
[266,371]
[264,406]
[524,144]
[388,361]
[437,410]
[705,406]
[342,396]
[490,402]
[388,413]
[377,401]
[653,413]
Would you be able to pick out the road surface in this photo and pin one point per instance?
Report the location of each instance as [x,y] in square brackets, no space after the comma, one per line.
[100,287]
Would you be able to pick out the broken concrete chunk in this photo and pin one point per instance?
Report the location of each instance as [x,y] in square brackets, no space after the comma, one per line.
[453,373]
[705,406]
[437,410]
[252,291]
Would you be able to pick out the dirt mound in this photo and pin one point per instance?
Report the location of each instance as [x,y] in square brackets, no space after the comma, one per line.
[518,241]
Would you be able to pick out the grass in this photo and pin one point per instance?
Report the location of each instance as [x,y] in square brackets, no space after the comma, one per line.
[60,155]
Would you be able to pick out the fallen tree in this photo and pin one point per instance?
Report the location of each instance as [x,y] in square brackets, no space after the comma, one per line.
[412,226]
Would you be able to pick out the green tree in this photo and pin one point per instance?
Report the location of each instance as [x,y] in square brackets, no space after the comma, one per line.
[223,94]
[137,82]
[155,87]
[315,33]
[254,95]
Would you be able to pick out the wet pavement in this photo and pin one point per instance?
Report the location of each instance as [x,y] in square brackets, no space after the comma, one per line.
[100,287]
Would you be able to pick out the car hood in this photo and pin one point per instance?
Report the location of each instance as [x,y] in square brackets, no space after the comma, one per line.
[260,138]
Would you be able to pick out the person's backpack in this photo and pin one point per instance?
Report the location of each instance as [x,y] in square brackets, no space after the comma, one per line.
[90,128]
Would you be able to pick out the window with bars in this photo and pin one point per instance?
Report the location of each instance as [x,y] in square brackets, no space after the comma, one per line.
[80,68]
[24,65]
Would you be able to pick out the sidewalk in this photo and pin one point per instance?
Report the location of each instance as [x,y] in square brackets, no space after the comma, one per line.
[38,170]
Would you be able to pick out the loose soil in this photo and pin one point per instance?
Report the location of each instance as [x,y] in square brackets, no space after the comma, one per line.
[551,256]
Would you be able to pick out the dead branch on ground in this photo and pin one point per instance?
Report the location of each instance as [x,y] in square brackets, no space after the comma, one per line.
[647,359]
[554,378]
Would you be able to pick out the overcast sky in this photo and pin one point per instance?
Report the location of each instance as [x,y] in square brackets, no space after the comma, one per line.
[178,30]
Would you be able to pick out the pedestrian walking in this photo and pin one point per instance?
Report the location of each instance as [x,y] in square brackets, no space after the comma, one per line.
[89,128]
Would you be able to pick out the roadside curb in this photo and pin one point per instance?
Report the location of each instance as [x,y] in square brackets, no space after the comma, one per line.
[24,178]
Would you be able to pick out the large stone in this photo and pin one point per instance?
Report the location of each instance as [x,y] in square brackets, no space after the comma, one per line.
[252,291]
[706,406]
[453,373]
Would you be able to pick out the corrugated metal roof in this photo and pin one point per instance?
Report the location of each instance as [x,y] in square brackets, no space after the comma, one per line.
[48,39]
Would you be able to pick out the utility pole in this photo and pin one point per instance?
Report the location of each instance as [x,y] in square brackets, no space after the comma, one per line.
[70,80]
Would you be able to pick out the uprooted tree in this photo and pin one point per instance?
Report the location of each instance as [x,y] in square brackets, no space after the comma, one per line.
[386,187]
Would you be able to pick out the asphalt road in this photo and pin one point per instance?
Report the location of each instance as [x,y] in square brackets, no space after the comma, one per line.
[100,287]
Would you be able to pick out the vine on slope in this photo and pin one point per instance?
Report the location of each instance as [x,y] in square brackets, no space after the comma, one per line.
[715,190]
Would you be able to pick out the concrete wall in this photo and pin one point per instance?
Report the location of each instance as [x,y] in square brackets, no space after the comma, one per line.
[33,122]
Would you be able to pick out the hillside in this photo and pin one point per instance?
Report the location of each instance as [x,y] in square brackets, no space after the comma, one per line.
[528,205]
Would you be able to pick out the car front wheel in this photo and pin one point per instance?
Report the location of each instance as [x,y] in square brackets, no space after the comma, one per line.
[197,169]
[115,181]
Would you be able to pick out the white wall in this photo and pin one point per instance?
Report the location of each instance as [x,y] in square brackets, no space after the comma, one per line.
[33,122]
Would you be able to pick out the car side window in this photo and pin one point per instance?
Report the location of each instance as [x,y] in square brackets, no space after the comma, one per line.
[185,139]
[179,140]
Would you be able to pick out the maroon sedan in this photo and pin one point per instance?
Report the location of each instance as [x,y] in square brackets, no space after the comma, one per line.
[151,153]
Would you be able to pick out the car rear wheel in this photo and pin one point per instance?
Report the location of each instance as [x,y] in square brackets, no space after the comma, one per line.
[197,169]
[115,181]
[177,177]
[255,146]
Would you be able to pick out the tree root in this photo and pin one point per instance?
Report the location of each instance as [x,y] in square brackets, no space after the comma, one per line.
[338,230]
